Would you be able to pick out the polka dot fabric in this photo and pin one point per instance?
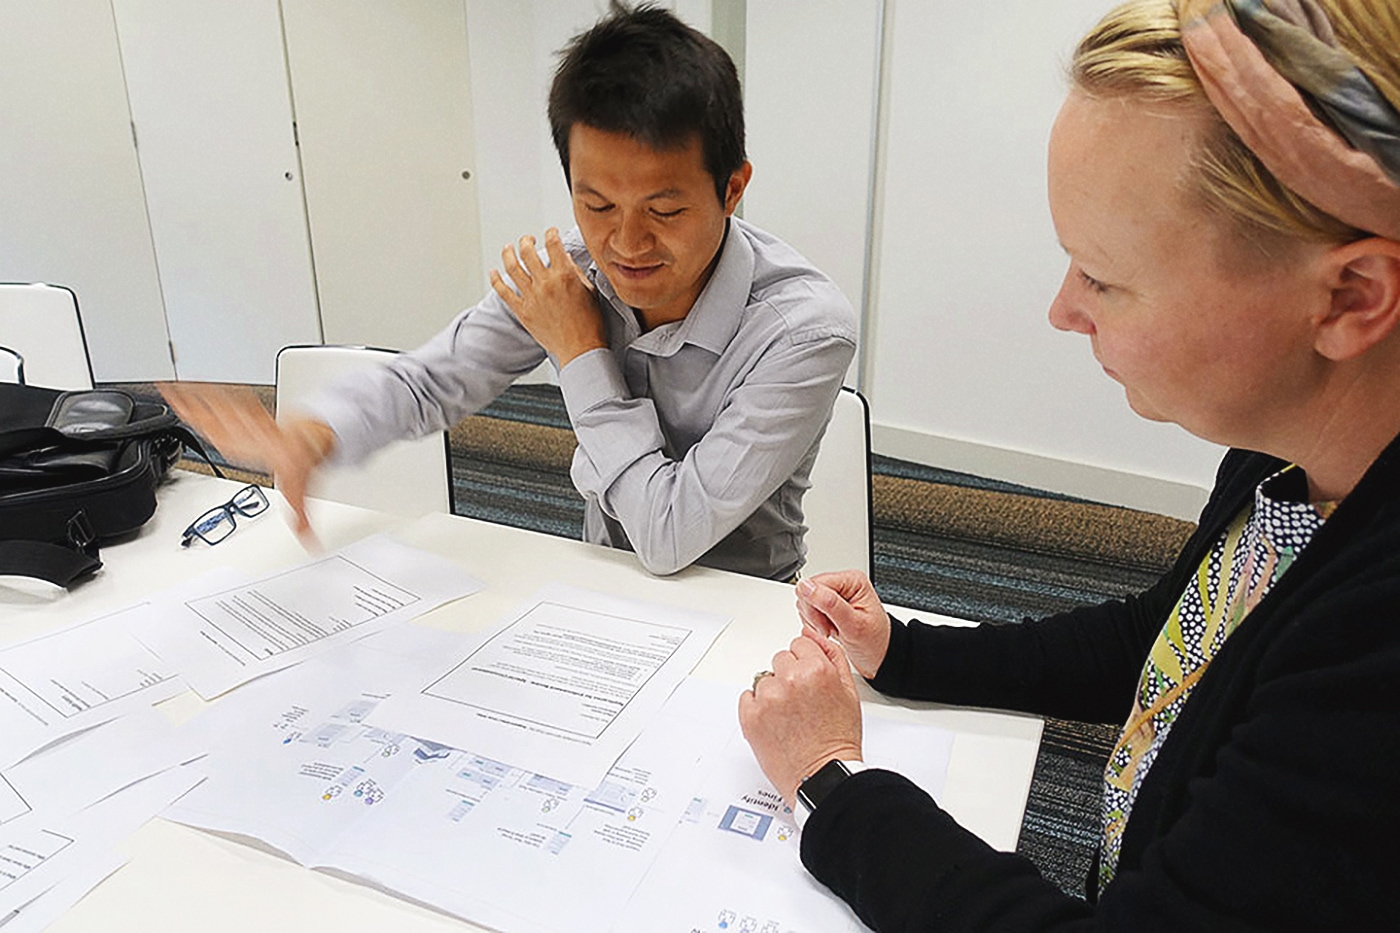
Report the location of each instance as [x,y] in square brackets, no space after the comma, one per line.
[1253,553]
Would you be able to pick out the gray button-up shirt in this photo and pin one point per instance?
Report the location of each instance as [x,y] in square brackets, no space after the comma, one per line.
[695,439]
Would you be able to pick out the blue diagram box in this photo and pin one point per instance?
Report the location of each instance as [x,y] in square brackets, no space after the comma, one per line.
[746,823]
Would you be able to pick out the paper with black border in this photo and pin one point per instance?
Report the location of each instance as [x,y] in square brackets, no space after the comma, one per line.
[220,637]
[563,686]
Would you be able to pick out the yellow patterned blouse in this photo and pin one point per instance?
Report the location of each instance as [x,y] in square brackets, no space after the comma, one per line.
[1254,552]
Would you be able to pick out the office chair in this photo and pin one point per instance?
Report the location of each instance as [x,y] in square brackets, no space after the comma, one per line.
[11,366]
[41,325]
[407,477]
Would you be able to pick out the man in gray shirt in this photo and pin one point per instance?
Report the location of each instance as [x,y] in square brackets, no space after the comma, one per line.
[698,356]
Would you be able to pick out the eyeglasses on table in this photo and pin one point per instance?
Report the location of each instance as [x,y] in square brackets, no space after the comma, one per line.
[219,522]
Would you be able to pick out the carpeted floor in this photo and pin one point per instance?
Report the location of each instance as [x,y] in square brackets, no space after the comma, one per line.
[943,542]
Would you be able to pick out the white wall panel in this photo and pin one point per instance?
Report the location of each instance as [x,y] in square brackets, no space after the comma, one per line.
[72,211]
[810,93]
[510,118]
[382,94]
[968,261]
[209,95]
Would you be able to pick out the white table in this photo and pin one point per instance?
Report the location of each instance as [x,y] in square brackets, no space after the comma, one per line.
[183,879]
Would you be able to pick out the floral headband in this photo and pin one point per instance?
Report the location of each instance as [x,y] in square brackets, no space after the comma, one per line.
[1274,71]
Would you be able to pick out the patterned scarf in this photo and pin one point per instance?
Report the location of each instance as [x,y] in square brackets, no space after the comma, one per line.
[1272,68]
[1299,42]
[1254,552]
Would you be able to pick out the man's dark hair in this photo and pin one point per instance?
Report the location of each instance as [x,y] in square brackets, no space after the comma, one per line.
[643,72]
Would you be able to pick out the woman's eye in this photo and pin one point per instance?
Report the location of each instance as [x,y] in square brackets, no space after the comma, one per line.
[1093,284]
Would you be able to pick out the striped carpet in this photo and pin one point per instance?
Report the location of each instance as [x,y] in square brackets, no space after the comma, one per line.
[943,542]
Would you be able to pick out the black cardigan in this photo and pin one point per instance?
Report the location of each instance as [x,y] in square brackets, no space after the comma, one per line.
[1274,803]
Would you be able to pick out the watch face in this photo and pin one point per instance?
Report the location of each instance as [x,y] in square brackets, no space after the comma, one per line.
[816,788]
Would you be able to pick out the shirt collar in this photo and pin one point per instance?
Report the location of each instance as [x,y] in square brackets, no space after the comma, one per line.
[714,319]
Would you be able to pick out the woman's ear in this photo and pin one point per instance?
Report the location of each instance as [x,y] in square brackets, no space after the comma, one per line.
[1364,278]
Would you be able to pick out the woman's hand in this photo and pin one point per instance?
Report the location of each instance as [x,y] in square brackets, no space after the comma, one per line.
[845,606]
[803,715]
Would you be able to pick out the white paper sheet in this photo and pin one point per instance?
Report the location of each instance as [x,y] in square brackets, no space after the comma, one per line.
[295,765]
[47,907]
[683,832]
[62,809]
[562,687]
[69,680]
[83,769]
[221,638]
[523,853]
[292,761]
[44,854]
[734,865]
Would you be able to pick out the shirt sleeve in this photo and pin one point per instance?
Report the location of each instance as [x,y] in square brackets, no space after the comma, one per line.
[674,510]
[456,373]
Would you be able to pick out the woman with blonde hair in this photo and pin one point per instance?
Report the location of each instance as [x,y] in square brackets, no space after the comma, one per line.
[1225,178]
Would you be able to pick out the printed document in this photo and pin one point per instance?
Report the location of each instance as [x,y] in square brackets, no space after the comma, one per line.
[67,805]
[563,687]
[733,866]
[75,678]
[44,910]
[227,635]
[295,764]
[682,833]
[37,857]
[291,759]
[83,769]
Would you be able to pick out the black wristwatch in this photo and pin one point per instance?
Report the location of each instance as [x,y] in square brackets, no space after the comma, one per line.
[815,788]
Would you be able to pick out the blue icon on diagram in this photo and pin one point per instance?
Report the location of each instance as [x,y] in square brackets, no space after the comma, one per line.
[746,823]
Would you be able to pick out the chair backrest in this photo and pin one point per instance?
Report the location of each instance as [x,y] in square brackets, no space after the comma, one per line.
[837,507]
[11,366]
[41,324]
[407,477]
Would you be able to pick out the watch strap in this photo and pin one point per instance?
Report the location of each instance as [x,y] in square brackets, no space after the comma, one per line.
[818,786]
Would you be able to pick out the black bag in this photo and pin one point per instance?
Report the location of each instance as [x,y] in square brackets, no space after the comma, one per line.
[77,468]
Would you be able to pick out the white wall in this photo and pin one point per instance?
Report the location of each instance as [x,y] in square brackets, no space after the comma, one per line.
[212,106]
[383,102]
[72,210]
[810,93]
[960,366]
[965,372]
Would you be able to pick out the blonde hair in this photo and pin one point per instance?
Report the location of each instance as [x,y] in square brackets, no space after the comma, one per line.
[1135,52]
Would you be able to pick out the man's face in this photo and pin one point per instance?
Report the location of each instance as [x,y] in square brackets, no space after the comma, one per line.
[650,218]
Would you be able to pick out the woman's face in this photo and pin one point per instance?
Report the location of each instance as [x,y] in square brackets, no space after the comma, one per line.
[1197,329]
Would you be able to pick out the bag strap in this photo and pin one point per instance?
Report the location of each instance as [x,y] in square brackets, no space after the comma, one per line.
[59,564]
[187,437]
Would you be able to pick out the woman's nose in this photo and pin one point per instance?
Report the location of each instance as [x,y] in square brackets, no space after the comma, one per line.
[1066,313]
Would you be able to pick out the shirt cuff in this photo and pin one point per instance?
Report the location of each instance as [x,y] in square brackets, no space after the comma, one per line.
[589,380]
[352,440]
